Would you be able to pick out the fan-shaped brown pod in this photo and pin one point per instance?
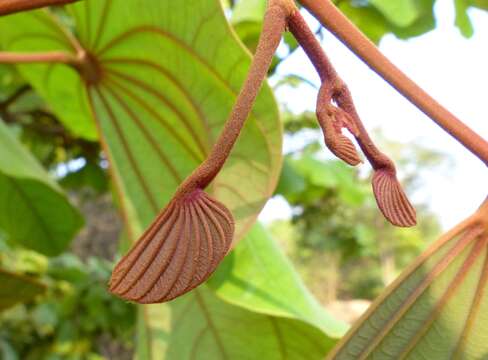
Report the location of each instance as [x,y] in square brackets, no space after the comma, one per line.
[179,251]
[392,200]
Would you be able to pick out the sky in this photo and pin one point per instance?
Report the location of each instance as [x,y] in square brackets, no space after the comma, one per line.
[453,69]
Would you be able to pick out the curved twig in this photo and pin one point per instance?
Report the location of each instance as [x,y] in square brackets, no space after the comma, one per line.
[41,57]
[335,111]
[14,6]
[332,19]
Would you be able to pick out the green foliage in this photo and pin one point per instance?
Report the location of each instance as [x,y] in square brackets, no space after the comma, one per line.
[75,319]
[17,288]
[33,210]
[257,271]
[375,18]
[463,22]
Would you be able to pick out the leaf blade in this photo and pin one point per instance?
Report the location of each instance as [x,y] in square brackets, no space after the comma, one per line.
[424,312]
[34,211]
[17,288]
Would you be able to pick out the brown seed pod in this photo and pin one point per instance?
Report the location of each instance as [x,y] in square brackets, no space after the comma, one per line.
[179,251]
[392,200]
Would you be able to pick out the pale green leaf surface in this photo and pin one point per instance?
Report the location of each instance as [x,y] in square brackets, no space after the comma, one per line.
[59,85]
[437,309]
[17,288]
[33,210]
[201,326]
[169,82]
[463,22]
[402,13]
[259,277]
[266,313]
[249,11]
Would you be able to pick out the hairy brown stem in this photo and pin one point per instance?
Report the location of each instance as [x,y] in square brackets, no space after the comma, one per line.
[13,6]
[273,27]
[46,57]
[331,18]
[334,88]
[390,197]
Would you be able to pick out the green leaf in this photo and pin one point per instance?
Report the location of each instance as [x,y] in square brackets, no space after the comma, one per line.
[201,326]
[437,309]
[368,19]
[325,175]
[259,277]
[33,210]
[462,18]
[249,11]
[90,175]
[162,77]
[282,319]
[401,13]
[17,288]
[404,18]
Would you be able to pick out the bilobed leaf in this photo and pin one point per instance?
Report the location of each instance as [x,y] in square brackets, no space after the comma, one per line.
[437,309]
[169,79]
[17,288]
[33,210]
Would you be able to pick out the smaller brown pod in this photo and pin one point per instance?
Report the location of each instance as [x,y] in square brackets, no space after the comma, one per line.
[392,200]
[179,251]
[333,120]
